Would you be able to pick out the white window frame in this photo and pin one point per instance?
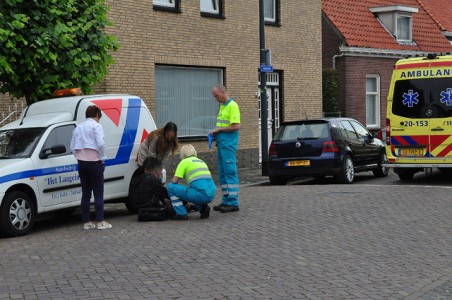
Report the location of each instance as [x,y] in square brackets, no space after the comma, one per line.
[410,27]
[272,20]
[377,102]
[164,4]
[210,11]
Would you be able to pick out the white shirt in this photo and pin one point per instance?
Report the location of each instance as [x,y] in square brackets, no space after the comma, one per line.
[89,135]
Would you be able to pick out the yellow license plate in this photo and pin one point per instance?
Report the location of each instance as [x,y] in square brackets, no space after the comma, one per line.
[411,152]
[298,163]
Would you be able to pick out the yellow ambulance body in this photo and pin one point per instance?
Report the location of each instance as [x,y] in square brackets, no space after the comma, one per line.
[419,115]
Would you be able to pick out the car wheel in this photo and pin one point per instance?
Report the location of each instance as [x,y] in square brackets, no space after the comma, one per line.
[278,180]
[381,171]
[17,214]
[347,173]
[406,176]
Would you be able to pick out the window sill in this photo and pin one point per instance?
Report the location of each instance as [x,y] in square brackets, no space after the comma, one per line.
[373,127]
[272,23]
[212,15]
[166,8]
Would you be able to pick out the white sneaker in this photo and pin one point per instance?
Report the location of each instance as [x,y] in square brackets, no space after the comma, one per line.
[89,225]
[103,225]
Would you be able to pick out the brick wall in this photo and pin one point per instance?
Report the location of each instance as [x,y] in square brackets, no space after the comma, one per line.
[352,72]
[149,37]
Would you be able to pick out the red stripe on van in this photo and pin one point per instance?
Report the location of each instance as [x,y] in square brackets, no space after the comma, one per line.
[111,108]
[425,65]
[445,151]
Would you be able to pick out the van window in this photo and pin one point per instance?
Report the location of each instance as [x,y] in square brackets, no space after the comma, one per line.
[19,143]
[423,98]
[307,131]
[60,136]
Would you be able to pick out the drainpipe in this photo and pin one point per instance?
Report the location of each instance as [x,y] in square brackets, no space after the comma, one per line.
[334,59]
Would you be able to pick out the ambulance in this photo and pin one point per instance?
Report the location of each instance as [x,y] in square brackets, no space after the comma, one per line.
[38,172]
[419,115]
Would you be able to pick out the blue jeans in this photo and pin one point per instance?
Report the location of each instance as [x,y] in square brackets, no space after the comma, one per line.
[92,179]
[200,192]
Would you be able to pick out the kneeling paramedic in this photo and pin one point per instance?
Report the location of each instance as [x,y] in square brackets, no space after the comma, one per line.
[201,190]
[150,195]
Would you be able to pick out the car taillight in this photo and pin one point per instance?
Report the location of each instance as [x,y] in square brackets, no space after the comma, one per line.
[272,150]
[330,147]
[388,132]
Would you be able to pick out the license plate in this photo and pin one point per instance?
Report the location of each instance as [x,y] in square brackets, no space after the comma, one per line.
[298,163]
[411,152]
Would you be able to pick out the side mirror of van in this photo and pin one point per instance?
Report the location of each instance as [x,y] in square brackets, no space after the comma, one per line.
[57,149]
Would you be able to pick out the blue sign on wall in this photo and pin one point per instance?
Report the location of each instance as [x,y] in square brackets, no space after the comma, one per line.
[266,69]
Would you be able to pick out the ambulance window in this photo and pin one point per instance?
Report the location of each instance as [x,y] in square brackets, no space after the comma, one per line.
[423,98]
[60,136]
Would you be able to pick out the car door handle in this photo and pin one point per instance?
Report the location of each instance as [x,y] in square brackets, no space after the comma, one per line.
[437,129]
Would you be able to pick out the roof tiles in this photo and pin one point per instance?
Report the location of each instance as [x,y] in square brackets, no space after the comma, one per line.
[361,28]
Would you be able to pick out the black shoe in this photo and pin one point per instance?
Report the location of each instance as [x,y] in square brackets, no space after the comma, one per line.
[179,217]
[217,207]
[205,211]
[228,208]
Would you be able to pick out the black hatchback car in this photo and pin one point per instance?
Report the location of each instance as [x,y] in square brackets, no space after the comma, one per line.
[323,147]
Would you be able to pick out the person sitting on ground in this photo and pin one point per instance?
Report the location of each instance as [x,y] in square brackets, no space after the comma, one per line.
[151,196]
[201,190]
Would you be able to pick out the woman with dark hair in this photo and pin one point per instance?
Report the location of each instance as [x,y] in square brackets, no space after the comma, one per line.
[160,143]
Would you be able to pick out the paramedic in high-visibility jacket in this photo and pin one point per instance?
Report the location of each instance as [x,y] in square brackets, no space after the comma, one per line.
[227,133]
[201,190]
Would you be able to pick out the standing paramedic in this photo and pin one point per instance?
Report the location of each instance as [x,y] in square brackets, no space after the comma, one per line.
[227,136]
[88,146]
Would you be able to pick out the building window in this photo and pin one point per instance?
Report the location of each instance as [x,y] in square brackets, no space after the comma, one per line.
[271,11]
[210,6]
[168,5]
[373,101]
[184,96]
[403,32]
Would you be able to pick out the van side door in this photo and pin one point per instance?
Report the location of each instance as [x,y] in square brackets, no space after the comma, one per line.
[59,183]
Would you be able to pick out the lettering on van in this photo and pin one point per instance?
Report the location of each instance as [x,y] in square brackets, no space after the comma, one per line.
[414,123]
[67,168]
[65,194]
[62,179]
[425,73]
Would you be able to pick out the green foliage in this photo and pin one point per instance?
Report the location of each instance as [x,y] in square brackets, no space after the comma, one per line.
[52,44]
[330,89]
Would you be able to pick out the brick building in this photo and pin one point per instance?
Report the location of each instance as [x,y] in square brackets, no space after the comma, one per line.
[173,52]
[363,40]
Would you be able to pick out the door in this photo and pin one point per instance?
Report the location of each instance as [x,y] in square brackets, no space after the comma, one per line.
[60,183]
[370,149]
[356,144]
[273,109]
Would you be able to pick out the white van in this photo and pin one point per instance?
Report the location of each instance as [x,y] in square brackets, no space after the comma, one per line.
[38,173]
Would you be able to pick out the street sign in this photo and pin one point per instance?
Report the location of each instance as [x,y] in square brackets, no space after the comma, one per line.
[266,69]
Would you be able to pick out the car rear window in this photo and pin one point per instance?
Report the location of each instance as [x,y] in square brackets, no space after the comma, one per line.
[303,131]
[423,98]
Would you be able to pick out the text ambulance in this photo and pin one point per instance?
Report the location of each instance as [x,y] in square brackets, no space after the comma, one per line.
[419,115]
[38,173]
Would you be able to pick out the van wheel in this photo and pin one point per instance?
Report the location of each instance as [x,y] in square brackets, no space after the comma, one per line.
[278,180]
[17,214]
[347,173]
[381,171]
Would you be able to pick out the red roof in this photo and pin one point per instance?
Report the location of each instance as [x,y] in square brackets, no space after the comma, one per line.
[440,11]
[361,28]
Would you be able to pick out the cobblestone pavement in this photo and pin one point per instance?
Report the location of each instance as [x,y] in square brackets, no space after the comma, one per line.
[375,239]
